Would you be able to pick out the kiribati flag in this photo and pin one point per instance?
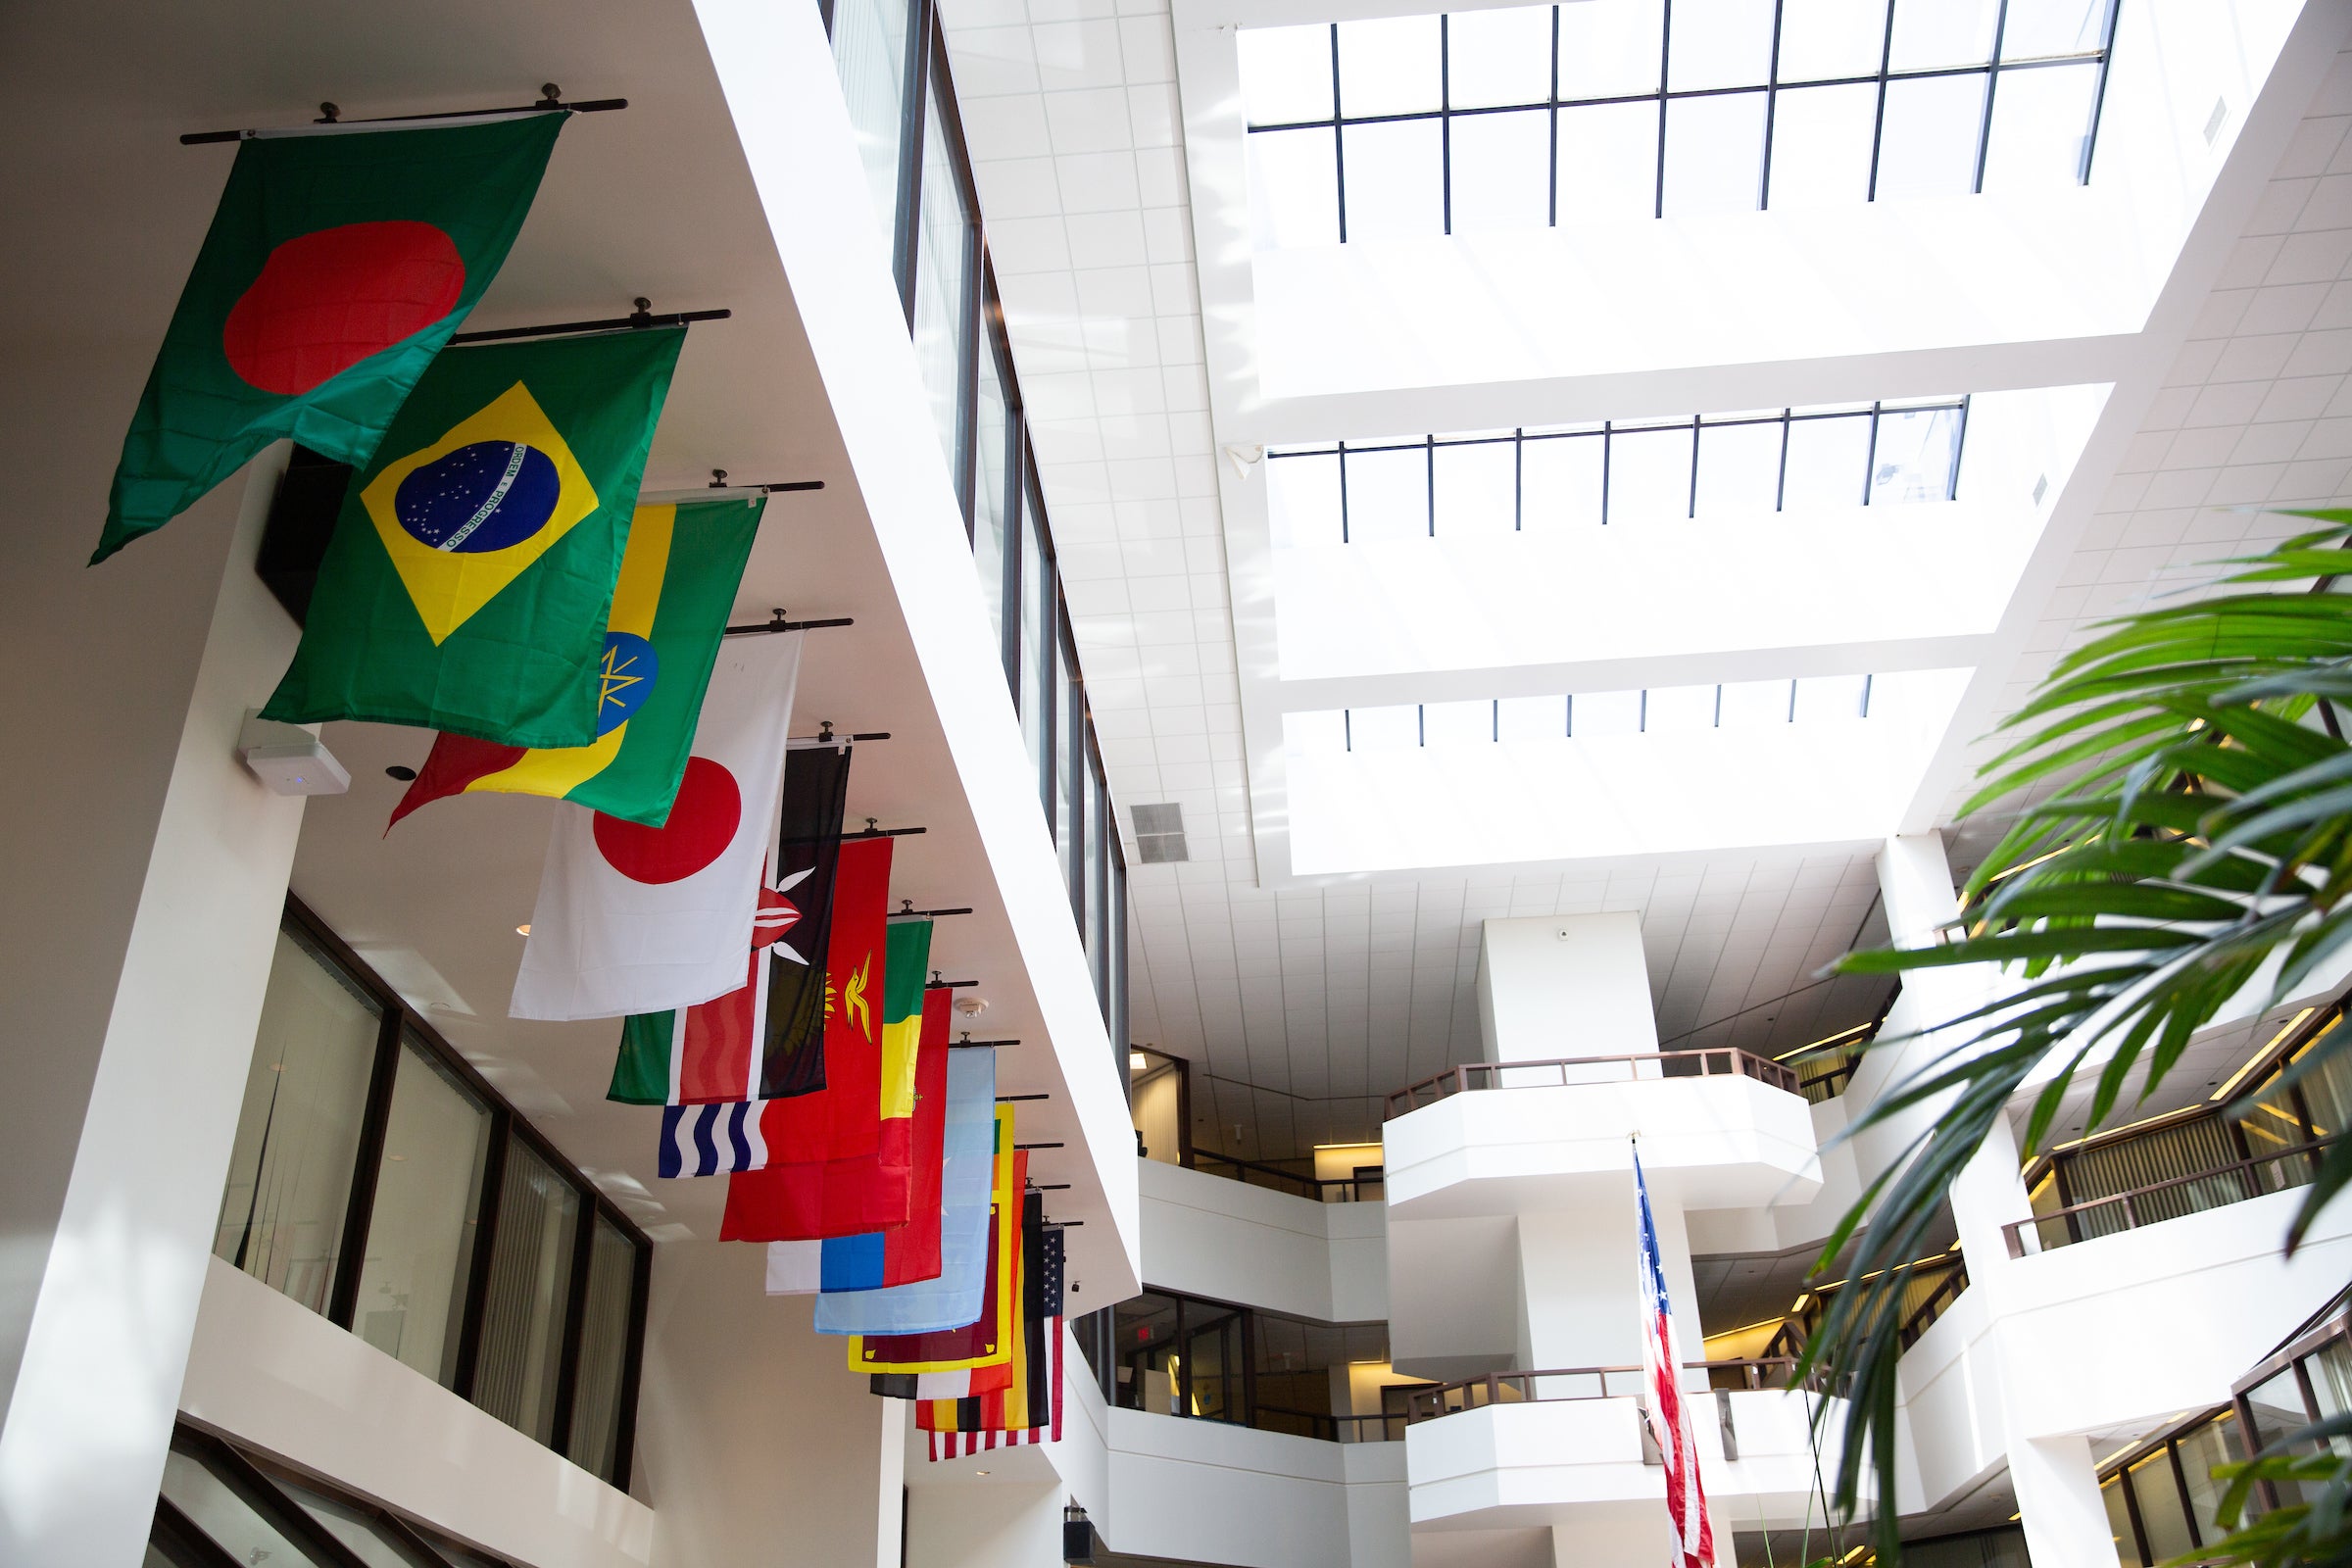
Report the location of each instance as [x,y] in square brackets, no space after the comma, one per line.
[340,260]
[1670,1424]
[468,585]
[669,610]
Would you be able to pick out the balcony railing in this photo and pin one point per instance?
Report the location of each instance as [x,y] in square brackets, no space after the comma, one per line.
[2232,1183]
[1331,1428]
[1364,1187]
[1564,1071]
[1930,1287]
[1587,1383]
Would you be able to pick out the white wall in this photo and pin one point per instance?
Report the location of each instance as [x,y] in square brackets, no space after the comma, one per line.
[276,1377]
[1204,1491]
[756,1443]
[147,872]
[1570,985]
[1253,1247]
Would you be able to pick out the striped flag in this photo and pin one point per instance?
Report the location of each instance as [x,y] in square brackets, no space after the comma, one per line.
[1693,1534]
[710,1139]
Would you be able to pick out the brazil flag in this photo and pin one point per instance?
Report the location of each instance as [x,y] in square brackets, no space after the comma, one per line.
[339,264]
[677,583]
[468,586]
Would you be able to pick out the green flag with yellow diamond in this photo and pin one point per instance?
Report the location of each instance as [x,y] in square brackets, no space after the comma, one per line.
[470,580]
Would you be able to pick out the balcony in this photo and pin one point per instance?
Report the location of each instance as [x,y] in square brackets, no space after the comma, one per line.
[1723,1128]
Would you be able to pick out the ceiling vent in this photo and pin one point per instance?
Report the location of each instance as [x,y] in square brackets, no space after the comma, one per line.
[1159,834]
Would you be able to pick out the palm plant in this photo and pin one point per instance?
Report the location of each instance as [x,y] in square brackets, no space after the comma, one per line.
[2181,800]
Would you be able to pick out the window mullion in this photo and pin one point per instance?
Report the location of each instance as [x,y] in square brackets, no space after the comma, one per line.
[350,1253]
[486,1245]
[576,1323]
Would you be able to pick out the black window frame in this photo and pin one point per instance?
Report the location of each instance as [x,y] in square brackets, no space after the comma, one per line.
[402,1028]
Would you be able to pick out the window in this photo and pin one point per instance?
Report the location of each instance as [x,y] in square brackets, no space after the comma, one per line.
[1185,1355]
[377,1180]
[1586,715]
[285,1207]
[1488,483]
[893,63]
[1536,116]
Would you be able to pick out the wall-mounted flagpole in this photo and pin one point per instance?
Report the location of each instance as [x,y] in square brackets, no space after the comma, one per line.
[551,96]
[639,319]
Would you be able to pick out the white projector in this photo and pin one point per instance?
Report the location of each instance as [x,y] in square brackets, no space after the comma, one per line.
[290,759]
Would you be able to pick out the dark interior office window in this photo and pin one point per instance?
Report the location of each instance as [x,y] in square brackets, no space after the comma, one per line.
[289,1175]
[870,52]
[992,528]
[594,1441]
[523,1315]
[428,1190]
[943,277]
[1037,666]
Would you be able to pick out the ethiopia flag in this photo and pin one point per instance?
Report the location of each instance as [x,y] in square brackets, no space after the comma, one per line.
[669,610]
[339,262]
[469,581]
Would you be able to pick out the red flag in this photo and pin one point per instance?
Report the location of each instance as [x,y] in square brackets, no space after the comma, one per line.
[843,1120]
[455,761]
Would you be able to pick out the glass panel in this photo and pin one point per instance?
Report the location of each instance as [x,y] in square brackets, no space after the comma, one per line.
[1475,489]
[1821,145]
[1610,50]
[1286,73]
[1116,907]
[522,1312]
[2040,127]
[2277,1406]
[1559,482]
[297,1133]
[1388,66]
[1394,727]
[1388,494]
[1649,474]
[1531,718]
[2330,1371]
[1676,710]
[990,524]
[2051,28]
[1720,43]
[1591,714]
[1941,33]
[2326,1091]
[870,52]
[1294,189]
[1608,159]
[1498,56]
[594,1442]
[1829,463]
[1753,704]
[1396,182]
[1714,153]
[1036,695]
[1826,38]
[1915,455]
[428,1192]
[1739,468]
[1143,1338]
[1302,500]
[2119,1519]
[1928,146]
[2163,1513]
[1094,927]
[355,1527]
[1501,170]
[942,313]
[1069,826]
[2201,1449]
[227,1518]
[1212,1352]
[1457,724]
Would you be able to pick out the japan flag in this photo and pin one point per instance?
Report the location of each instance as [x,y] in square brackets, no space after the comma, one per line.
[642,919]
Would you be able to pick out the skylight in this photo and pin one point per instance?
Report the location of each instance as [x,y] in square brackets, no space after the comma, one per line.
[1544,115]
[1517,481]
[1664,709]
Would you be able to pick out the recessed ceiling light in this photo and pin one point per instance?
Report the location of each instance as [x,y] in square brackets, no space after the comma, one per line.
[1137,1061]
[404,774]
[523,930]
[979,1472]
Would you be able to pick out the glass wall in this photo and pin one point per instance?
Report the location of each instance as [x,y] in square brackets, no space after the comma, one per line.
[914,154]
[286,1205]
[380,1182]
[1186,1356]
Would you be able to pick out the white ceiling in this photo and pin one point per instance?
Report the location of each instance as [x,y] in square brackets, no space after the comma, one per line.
[1300,1004]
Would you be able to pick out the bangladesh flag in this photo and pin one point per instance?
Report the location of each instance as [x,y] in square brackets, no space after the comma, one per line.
[339,262]
[470,582]
[669,610]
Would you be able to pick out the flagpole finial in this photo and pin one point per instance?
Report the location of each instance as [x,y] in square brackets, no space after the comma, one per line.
[719,478]
[642,315]
[329,114]
[551,96]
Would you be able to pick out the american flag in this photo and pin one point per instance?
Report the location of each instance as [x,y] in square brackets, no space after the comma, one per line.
[1692,1535]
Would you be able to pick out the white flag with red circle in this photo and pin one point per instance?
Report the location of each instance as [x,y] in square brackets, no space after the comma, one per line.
[643,919]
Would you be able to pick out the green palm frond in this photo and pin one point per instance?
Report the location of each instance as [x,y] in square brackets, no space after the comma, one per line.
[2180,804]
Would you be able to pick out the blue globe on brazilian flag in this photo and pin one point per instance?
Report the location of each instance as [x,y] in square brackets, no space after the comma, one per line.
[468,586]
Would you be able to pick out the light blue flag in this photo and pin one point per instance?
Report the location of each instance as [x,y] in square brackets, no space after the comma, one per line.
[966,1174]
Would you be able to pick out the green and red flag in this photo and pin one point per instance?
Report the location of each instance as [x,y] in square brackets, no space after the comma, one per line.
[669,610]
[468,585]
[340,260]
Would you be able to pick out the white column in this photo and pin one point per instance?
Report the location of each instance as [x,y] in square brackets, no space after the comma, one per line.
[148,872]
[1566,985]
[972,1522]
[2059,1505]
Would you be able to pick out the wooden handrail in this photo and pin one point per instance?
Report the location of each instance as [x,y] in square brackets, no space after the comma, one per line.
[2016,1230]
[1707,1062]
[1434,1401]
